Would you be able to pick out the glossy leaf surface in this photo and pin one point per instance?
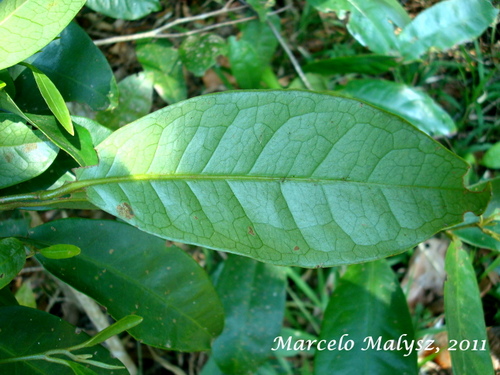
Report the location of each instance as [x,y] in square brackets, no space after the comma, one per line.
[12,259]
[446,24]
[162,64]
[408,102]
[24,154]
[253,296]
[464,314]
[380,311]
[133,273]
[286,177]
[199,53]
[125,9]
[37,331]
[78,69]
[40,22]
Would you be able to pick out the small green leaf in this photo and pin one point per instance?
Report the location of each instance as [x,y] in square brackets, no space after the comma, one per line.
[25,295]
[124,324]
[23,323]
[444,25]
[136,99]
[199,52]
[53,98]
[286,177]
[363,64]
[253,296]
[165,286]
[12,259]
[464,315]
[28,25]
[60,251]
[369,308]
[24,154]
[163,64]
[412,104]
[260,35]
[491,158]
[125,9]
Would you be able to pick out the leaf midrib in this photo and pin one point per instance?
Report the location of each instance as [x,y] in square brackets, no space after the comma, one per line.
[206,177]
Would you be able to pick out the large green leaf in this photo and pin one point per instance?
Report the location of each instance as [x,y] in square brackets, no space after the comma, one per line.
[12,259]
[78,69]
[199,52]
[24,154]
[446,24]
[253,296]
[28,25]
[136,99]
[369,308]
[465,316]
[163,64]
[25,331]
[287,177]
[125,9]
[364,64]
[133,273]
[410,103]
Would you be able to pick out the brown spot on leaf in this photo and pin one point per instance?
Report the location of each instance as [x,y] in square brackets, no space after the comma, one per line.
[196,217]
[250,231]
[125,210]
[8,157]
[30,147]
[296,248]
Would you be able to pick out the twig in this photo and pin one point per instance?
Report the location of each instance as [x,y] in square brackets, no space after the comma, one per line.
[100,321]
[156,32]
[292,58]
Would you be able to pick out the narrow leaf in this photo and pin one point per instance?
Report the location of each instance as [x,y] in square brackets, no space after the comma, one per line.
[12,259]
[253,296]
[124,324]
[35,332]
[39,21]
[287,177]
[374,335]
[60,251]
[464,315]
[446,24]
[412,104]
[165,286]
[79,147]
[53,98]
[24,154]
